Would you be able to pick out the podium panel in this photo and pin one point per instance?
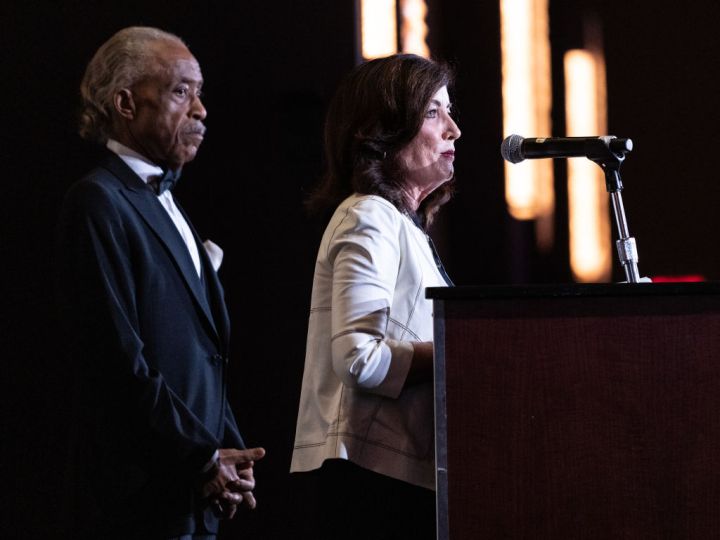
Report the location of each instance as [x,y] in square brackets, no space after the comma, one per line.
[583,412]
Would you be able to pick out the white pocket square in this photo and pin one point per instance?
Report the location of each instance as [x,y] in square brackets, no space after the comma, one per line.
[215,253]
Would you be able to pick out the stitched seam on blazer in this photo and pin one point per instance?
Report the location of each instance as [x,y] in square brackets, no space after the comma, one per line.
[405,328]
[364,439]
[369,331]
[339,415]
[347,211]
[361,439]
[332,236]
[309,445]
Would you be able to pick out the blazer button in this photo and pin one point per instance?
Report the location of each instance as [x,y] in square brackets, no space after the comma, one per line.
[217,359]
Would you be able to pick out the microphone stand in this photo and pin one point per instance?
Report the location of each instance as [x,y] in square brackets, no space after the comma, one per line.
[610,162]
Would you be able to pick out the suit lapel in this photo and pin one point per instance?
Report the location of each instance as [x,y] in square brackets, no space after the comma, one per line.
[145,202]
[214,288]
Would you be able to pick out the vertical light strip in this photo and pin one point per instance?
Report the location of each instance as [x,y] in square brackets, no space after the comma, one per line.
[585,113]
[527,102]
[414,30]
[378,26]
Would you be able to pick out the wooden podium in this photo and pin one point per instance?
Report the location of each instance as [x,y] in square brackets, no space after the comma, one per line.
[578,411]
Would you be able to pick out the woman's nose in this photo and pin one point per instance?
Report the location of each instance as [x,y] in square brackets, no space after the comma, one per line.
[452,130]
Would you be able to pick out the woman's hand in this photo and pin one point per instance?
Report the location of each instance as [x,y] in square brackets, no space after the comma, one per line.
[421,368]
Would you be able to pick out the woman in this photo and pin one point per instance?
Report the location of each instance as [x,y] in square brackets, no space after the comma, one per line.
[366,407]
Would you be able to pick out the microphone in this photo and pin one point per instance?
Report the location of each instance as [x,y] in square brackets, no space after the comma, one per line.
[516,148]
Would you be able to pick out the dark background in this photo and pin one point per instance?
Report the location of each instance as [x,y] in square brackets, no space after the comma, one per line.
[270,68]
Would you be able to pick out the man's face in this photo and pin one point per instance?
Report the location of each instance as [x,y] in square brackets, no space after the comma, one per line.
[167,124]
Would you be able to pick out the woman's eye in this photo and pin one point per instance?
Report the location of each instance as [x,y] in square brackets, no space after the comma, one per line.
[432,113]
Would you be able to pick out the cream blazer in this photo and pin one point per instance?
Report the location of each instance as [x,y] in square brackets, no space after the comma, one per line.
[368,306]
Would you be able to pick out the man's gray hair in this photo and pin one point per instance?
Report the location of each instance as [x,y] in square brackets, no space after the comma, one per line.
[120,62]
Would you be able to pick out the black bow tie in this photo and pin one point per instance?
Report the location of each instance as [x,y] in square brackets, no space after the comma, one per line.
[166,181]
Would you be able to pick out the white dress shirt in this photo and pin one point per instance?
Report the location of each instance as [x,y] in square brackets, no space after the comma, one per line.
[146,170]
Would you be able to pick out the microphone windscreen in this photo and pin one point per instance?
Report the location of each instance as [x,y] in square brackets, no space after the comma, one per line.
[511,149]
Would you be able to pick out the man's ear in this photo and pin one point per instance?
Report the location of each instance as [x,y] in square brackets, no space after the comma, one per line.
[124,103]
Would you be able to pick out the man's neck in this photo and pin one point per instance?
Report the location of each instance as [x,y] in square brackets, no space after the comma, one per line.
[122,149]
[139,164]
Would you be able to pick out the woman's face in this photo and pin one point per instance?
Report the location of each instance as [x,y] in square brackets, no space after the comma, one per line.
[428,159]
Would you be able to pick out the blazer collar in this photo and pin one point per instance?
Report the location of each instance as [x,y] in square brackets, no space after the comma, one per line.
[145,202]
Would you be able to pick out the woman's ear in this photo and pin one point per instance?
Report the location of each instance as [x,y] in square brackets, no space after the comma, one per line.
[124,103]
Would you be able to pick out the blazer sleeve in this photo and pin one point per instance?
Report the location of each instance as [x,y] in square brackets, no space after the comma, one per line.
[232,437]
[365,255]
[98,294]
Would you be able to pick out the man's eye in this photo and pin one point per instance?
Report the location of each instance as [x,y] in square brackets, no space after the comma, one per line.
[432,113]
[181,91]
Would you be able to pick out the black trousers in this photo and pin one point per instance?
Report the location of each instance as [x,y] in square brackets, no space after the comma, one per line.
[355,503]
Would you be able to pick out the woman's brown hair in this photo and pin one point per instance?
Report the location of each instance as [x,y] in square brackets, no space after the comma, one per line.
[377,110]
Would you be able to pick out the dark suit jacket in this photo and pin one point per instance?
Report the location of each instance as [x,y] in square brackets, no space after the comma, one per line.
[149,340]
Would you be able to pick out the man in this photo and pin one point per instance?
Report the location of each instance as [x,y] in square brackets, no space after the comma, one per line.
[157,444]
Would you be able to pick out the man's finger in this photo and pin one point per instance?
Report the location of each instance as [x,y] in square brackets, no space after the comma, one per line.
[241,485]
[248,456]
[224,509]
[232,497]
[249,500]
